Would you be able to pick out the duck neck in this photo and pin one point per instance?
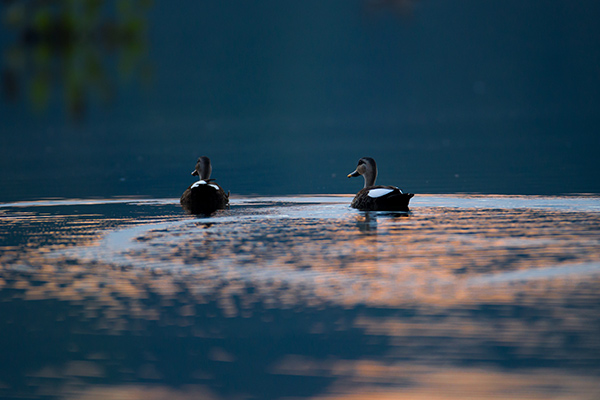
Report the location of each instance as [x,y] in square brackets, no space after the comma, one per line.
[204,177]
[370,177]
[204,169]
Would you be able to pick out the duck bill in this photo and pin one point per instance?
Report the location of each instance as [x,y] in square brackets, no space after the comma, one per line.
[195,173]
[354,174]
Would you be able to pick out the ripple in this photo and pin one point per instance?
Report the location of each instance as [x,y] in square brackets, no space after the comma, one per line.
[479,294]
[323,249]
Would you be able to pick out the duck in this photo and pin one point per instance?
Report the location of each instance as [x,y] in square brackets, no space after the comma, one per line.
[377,198]
[204,196]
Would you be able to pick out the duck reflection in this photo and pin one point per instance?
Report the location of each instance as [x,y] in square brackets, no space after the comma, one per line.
[70,45]
[367,222]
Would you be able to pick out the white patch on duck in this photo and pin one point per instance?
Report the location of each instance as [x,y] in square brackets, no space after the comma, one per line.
[200,182]
[375,193]
[203,182]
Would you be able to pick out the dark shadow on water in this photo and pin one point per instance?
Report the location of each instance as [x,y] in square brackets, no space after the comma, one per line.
[203,347]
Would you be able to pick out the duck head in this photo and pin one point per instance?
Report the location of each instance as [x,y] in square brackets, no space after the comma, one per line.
[203,168]
[368,169]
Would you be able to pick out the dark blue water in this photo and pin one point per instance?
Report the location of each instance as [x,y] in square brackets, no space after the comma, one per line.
[480,97]
[301,297]
[109,290]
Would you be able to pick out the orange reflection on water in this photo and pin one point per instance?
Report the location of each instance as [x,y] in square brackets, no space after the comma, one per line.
[461,383]
[433,291]
[372,259]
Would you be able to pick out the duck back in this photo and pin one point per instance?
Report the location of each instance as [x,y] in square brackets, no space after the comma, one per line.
[204,198]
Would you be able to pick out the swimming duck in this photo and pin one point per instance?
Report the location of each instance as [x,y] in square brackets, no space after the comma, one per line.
[377,198]
[204,196]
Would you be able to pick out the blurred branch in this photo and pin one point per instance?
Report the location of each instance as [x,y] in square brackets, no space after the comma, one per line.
[70,45]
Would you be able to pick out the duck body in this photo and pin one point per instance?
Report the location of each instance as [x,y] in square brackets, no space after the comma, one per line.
[377,198]
[204,196]
[381,198]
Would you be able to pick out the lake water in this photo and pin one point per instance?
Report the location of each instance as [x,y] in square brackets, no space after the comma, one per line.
[486,297]
[108,290]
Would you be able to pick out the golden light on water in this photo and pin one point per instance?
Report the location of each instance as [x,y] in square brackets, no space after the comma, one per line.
[430,259]
[438,302]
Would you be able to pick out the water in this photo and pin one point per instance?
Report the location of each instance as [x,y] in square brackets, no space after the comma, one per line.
[108,295]
[286,97]
[301,297]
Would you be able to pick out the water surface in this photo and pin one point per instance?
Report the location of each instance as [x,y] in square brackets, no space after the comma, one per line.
[301,297]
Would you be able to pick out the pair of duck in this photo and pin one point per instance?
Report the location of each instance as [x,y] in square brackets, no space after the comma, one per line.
[205,196]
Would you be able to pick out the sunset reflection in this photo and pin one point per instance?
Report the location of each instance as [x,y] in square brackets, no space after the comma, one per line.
[483,290]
